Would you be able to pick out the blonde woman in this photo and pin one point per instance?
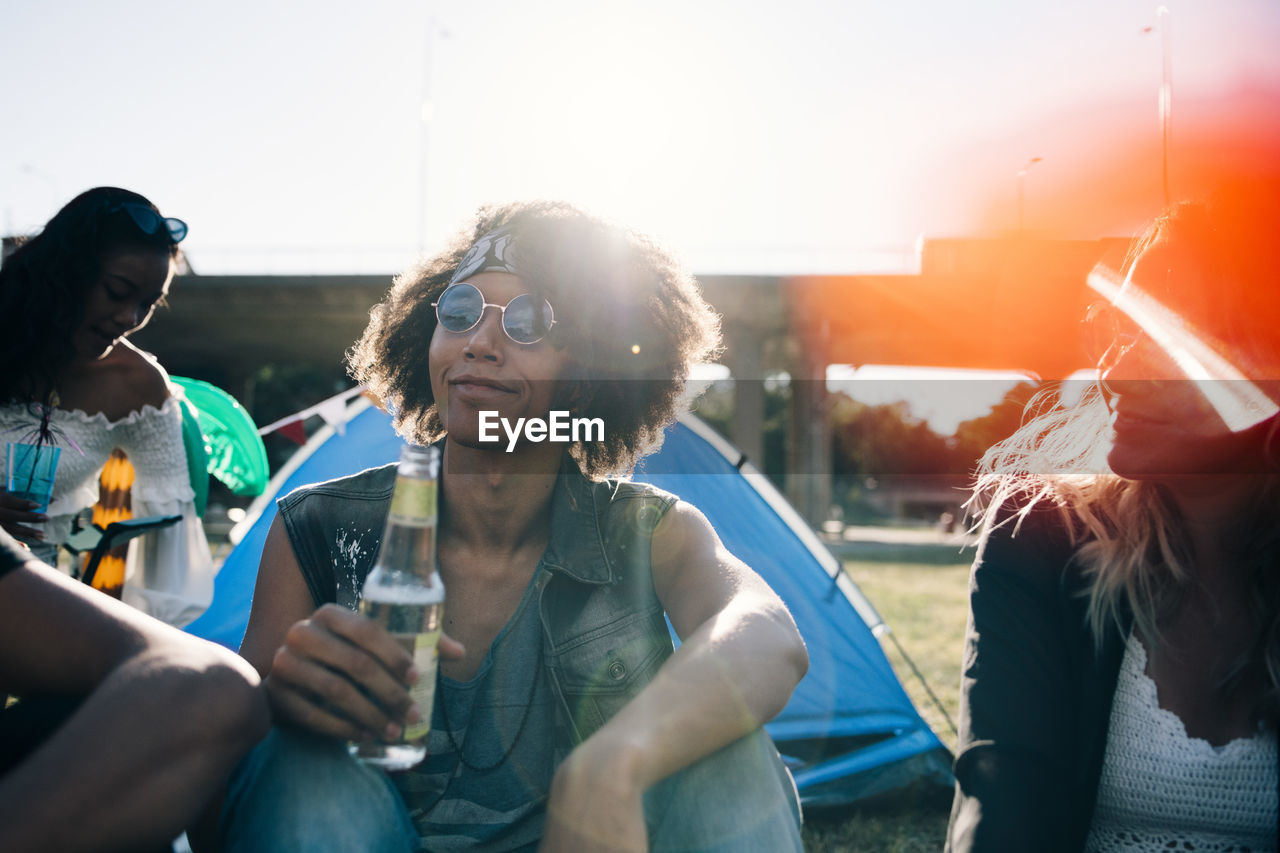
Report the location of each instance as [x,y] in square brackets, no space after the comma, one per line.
[1121,681]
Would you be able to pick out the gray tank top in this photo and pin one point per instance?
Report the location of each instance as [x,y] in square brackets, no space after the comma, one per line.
[491,751]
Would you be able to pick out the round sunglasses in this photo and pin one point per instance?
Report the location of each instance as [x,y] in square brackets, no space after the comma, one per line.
[149,222]
[525,321]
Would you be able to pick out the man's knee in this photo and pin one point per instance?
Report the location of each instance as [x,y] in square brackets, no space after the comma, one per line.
[304,792]
[739,798]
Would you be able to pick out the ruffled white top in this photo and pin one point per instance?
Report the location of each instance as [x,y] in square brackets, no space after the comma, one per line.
[1162,790]
[170,571]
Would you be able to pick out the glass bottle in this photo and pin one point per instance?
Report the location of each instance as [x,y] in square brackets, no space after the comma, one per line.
[404,595]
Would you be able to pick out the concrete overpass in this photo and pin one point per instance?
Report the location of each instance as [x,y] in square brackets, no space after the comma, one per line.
[1002,304]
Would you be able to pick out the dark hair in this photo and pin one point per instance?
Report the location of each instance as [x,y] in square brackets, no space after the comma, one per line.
[45,281]
[631,319]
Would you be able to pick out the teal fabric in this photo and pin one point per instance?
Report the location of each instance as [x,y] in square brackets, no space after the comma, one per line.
[236,455]
[197,457]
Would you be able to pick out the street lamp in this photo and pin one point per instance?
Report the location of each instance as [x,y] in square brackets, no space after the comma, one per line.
[1166,93]
[1022,174]
[425,117]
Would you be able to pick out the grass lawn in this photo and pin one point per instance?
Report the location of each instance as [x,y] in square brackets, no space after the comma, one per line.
[925,605]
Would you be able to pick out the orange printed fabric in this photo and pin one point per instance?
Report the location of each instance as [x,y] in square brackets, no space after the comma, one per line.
[115,503]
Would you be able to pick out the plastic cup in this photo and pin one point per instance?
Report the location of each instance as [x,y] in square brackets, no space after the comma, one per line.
[30,469]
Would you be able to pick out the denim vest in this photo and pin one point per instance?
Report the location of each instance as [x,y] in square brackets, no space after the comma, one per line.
[604,630]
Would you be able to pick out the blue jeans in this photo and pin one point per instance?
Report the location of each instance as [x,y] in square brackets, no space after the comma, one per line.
[298,791]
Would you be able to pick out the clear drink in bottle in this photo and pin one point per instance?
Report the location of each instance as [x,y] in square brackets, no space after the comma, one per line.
[404,595]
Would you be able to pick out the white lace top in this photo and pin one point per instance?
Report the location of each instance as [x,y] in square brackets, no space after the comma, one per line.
[1162,790]
[171,575]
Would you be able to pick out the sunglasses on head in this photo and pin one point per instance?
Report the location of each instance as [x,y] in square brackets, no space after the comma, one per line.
[149,222]
[526,319]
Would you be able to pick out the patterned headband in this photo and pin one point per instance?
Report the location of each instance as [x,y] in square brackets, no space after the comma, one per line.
[494,252]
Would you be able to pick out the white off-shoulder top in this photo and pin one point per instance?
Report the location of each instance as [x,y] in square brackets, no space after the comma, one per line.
[171,575]
[1161,790]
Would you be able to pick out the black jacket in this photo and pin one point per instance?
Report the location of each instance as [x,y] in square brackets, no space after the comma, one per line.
[1035,697]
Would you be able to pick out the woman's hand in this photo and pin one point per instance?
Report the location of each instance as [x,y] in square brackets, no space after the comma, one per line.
[596,802]
[342,675]
[16,513]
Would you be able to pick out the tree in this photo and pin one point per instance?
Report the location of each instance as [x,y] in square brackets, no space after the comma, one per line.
[884,439]
[974,436]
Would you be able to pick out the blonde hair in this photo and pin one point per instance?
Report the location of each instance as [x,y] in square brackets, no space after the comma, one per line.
[1129,537]
[1127,534]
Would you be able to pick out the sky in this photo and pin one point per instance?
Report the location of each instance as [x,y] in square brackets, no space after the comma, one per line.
[816,136]
[801,137]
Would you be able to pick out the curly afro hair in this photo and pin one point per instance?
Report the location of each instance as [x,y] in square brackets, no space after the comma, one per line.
[631,319]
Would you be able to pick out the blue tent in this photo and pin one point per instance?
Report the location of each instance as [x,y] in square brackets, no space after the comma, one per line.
[849,731]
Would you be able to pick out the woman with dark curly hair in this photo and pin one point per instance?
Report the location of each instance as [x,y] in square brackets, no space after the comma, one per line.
[562,716]
[1121,682]
[69,298]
